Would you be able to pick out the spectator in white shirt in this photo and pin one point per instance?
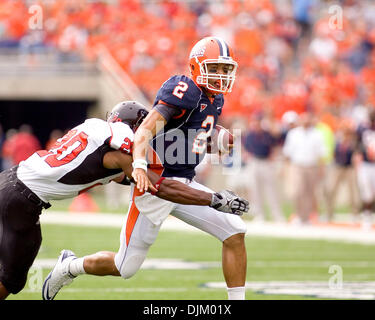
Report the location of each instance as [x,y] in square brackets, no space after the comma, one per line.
[305,148]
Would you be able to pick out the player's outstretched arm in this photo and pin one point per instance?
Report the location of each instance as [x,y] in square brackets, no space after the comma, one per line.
[178,192]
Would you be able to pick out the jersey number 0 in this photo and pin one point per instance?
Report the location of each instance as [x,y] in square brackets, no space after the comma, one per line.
[65,149]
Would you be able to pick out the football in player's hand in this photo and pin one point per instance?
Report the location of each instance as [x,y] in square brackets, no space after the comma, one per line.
[221,141]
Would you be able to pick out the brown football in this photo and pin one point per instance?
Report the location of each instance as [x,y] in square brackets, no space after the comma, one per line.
[221,140]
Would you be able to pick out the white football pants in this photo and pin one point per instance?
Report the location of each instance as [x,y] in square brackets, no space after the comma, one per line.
[139,232]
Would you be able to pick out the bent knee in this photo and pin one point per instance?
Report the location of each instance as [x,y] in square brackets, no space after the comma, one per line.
[236,224]
[235,240]
[131,265]
[130,260]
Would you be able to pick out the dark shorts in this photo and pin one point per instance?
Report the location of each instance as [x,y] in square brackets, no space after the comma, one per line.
[20,233]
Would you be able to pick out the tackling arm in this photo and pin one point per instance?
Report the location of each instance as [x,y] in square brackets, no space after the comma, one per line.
[178,192]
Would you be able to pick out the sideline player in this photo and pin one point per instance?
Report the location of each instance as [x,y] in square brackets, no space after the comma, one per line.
[93,153]
[184,115]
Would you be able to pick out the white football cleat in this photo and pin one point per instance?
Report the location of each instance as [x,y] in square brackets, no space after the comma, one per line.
[59,276]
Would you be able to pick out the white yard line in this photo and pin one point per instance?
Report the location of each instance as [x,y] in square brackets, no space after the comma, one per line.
[267,229]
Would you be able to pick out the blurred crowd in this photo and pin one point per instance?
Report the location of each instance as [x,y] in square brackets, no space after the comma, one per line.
[301,62]
[293,54]
[299,170]
[18,144]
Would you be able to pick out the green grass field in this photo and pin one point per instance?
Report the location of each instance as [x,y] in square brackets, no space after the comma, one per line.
[269,259]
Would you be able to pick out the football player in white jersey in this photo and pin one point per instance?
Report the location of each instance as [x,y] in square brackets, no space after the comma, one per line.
[95,152]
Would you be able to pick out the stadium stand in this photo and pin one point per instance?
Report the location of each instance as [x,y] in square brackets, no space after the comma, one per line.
[286,63]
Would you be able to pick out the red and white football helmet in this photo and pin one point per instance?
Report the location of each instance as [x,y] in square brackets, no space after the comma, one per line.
[212,50]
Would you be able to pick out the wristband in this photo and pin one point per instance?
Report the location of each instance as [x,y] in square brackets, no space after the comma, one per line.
[140,164]
[216,200]
[157,185]
[213,200]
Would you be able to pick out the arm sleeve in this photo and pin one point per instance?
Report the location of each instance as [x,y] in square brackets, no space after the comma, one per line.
[167,111]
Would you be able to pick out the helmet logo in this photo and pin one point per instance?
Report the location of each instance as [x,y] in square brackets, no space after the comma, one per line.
[114,117]
[197,52]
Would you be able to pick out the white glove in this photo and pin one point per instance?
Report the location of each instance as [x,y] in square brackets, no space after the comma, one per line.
[227,201]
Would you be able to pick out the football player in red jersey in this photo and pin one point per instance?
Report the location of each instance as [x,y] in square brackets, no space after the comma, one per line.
[95,152]
[184,115]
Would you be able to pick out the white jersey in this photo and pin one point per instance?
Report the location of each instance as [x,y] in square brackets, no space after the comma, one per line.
[75,163]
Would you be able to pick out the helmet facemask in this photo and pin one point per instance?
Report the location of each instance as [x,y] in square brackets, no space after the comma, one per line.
[224,82]
[142,114]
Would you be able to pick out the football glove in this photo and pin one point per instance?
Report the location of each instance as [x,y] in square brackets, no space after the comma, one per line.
[227,201]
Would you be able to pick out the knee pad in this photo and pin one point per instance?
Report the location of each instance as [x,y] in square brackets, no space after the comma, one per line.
[131,255]
[129,263]
[237,224]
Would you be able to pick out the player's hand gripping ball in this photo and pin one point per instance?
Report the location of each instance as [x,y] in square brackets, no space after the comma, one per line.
[221,141]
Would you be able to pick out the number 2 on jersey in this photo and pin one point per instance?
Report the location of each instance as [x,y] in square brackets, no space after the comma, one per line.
[180,89]
[65,149]
[200,141]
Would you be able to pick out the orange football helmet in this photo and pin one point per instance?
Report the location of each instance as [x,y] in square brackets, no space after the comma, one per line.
[213,50]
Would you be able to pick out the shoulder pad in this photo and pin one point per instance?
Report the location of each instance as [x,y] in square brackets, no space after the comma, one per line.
[179,91]
[95,121]
[122,137]
[94,126]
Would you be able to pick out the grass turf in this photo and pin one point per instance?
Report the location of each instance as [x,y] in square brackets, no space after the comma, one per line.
[268,259]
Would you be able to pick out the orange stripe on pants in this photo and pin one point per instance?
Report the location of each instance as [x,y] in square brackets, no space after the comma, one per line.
[134,212]
[132,216]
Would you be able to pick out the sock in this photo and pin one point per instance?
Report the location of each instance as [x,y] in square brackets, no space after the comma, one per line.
[236,293]
[76,267]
